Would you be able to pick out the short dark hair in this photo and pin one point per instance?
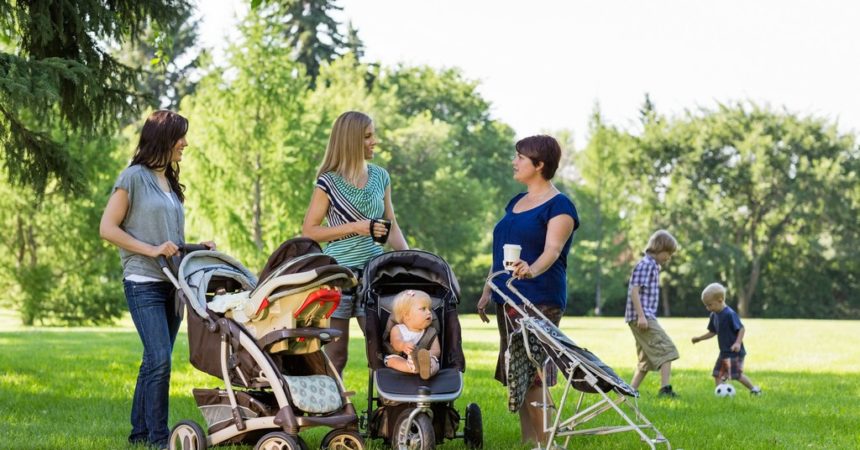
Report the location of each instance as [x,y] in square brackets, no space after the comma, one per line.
[541,149]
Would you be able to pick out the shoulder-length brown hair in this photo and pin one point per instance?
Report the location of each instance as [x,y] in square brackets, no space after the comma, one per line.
[160,133]
[345,152]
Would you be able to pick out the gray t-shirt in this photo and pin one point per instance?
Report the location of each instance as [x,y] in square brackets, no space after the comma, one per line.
[153,216]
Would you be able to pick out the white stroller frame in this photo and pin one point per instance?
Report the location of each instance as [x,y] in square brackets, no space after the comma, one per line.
[591,376]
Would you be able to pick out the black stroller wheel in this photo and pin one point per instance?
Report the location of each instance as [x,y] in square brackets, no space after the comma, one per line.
[415,435]
[473,431]
[342,440]
[278,440]
[186,435]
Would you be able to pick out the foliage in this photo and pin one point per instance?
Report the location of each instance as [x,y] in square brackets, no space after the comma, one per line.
[309,30]
[54,266]
[167,60]
[59,76]
[759,201]
[245,183]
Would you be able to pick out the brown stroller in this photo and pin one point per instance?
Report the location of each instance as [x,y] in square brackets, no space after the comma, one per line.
[264,341]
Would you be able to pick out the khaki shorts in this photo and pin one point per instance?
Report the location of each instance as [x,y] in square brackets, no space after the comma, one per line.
[653,346]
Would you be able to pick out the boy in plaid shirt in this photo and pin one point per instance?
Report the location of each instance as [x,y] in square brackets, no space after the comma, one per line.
[653,346]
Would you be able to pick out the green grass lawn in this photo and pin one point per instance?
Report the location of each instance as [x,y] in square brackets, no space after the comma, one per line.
[71,388]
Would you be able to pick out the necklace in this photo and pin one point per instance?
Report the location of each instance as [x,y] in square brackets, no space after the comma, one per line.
[535,198]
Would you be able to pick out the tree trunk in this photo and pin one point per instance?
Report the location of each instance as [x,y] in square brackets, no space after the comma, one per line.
[258,205]
[664,300]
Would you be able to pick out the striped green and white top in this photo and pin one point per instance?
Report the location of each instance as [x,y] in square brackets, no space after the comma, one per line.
[348,203]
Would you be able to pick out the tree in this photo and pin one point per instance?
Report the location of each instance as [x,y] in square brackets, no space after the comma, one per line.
[168,60]
[57,74]
[308,29]
[251,175]
[52,261]
[739,182]
[353,42]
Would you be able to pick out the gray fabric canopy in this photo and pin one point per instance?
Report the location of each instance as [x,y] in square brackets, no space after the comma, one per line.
[197,270]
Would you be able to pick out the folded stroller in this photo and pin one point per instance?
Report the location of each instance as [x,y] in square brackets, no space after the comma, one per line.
[404,410]
[264,341]
[542,342]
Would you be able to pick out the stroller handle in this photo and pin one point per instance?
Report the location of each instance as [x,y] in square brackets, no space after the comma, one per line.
[508,300]
[184,249]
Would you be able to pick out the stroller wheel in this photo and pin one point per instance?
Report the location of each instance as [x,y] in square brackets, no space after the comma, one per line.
[415,435]
[277,440]
[342,440]
[473,432]
[186,435]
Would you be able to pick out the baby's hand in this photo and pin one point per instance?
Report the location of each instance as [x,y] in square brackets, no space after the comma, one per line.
[408,348]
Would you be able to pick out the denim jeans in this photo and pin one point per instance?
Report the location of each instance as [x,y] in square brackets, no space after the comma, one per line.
[152,309]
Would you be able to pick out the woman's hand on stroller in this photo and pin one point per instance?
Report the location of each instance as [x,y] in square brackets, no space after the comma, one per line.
[209,244]
[482,306]
[167,248]
[522,270]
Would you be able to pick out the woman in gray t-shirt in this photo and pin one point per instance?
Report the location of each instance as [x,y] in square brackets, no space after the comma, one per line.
[144,217]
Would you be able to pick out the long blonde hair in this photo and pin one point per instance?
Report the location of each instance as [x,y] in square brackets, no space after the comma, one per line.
[345,152]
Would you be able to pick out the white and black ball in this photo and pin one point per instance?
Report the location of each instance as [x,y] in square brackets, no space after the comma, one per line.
[724,390]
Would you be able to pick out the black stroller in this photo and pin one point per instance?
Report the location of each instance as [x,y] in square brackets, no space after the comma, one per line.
[404,410]
[264,341]
[539,341]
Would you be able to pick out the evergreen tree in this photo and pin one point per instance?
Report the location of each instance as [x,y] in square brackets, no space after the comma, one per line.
[309,31]
[57,74]
[354,42]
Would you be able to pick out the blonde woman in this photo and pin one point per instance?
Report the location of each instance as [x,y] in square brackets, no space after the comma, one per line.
[350,196]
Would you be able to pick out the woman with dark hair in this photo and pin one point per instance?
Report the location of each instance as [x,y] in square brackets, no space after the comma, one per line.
[144,217]
[541,221]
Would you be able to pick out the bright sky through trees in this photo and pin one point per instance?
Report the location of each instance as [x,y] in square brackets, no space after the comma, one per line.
[544,63]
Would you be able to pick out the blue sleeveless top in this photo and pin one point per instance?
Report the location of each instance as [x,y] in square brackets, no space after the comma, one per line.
[528,229]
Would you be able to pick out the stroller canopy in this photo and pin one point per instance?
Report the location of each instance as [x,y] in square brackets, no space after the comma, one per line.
[197,270]
[415,262]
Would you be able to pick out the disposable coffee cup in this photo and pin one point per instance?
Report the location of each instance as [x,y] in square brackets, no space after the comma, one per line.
[512,255]
[384,238]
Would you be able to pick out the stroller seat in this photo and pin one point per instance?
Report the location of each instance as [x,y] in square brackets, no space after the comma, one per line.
[288,301]
[446,385]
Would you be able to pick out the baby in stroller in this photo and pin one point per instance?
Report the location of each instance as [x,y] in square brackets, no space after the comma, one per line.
[413,346]
[406,411]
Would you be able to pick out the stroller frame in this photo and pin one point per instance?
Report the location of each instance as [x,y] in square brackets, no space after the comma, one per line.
[565,428]
[284,425]
[418,414]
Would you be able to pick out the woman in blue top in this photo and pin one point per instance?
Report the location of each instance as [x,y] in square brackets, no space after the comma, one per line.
[540,220]
[349,193]
[145,218]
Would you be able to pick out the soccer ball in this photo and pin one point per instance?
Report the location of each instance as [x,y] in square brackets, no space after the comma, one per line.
[725,390]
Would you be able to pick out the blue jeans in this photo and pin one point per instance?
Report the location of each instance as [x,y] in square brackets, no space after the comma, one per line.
[152,309]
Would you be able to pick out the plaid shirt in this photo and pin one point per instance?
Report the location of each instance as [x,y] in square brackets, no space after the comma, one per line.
[646,278]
